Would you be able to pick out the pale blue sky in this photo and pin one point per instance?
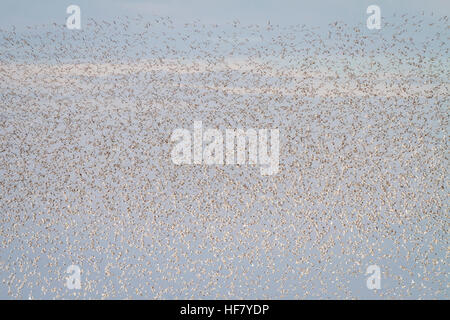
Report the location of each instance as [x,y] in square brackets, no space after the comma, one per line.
[26,12]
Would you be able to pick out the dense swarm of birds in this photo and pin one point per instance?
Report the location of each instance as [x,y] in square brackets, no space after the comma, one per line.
[86,176]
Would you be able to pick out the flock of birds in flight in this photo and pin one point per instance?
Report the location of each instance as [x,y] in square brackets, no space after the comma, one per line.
[86,176]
